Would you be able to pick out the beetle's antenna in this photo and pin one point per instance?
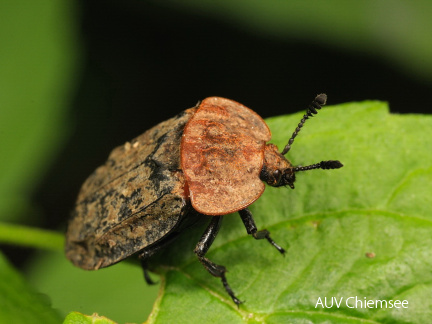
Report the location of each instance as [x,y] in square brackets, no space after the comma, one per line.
[317,103]
[325,165]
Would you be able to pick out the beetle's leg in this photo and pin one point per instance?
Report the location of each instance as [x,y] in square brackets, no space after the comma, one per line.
[251,228]
[143,257]
[203,246]
[148,252]
[147,277]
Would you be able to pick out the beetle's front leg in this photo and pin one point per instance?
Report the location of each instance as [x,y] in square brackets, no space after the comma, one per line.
[251,228]
[203,246]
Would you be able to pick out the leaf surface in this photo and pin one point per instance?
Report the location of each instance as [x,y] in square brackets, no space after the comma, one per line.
[19,303]
[78,318]
[361,231]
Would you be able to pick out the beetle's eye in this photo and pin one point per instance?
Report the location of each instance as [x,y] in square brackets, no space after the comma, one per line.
[277,175]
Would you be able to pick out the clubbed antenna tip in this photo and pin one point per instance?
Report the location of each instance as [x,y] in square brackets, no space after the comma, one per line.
[325,165]
[319,101]
[332,164]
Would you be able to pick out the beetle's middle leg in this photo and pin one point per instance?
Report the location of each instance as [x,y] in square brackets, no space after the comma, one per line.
[251,228]
[203,246]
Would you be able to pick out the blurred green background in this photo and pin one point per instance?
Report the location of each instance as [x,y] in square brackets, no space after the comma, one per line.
[78,78]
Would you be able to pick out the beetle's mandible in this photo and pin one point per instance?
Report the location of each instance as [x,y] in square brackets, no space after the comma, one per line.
[208,160]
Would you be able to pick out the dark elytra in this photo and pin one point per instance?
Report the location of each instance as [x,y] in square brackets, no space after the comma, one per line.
[211,159]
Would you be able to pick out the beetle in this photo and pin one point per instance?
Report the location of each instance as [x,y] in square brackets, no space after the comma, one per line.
[212,159]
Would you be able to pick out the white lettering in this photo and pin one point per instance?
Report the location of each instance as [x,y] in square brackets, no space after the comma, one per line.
[347,304]
[358,302]
[381,303]
[340,302]
[319,302]
[325,302]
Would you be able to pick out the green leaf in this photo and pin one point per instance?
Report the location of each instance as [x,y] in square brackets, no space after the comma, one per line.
[31,237]
[364,230]
[38,51]
[118,292]
[78,318]
[19,303]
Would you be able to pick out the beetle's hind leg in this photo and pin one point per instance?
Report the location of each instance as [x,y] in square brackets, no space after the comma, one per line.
[143,257]
[148,252]
[147,277]
[203,246]
[251,228]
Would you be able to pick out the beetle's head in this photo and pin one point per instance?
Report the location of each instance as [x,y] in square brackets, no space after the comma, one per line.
[277,171]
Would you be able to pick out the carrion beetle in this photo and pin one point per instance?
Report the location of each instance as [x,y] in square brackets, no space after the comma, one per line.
[208,160]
